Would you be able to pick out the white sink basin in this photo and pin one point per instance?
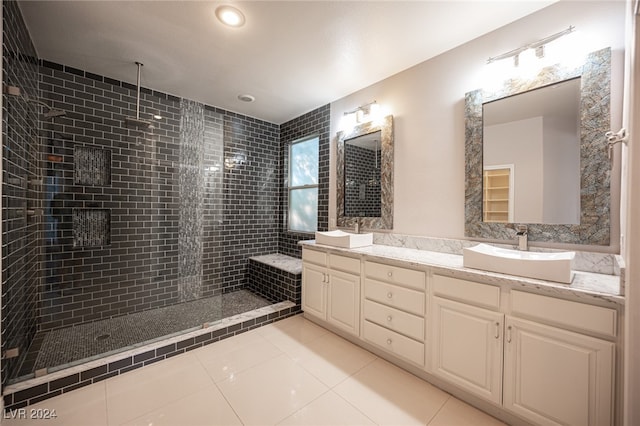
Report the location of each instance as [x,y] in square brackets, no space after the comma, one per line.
[340,238]
[544,266]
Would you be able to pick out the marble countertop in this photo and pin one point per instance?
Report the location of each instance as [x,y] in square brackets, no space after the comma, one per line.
[585,286]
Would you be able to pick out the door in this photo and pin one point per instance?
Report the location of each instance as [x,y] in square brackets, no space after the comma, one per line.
[344,301]
[467,347]
[314,292]
[554,376]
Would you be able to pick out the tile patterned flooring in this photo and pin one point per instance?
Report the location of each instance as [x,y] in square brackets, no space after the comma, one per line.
[291,372]
[54,348]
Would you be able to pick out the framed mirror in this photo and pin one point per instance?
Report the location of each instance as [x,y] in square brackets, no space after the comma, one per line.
[365,175]
[562,187]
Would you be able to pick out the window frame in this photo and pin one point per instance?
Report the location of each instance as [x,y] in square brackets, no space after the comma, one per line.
[291,188]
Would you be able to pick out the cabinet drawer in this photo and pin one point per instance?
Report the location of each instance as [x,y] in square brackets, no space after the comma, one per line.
[344,263]
[395,343]
[395,296]
[467,291]
[396,275]
[575,315]
[402,322]
[317,257]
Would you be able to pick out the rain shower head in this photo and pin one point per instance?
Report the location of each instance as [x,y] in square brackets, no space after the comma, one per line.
[49,111]
[137,123]
[52,113]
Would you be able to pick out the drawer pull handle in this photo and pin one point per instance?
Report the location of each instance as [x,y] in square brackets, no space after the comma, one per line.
[389,295]
[389,341]
[389,274]
[509,334]
[389,318]
[497,330]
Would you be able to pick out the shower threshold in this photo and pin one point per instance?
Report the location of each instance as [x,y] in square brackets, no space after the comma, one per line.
[53,350]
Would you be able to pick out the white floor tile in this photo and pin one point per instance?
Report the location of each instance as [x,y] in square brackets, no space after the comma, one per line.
[83,407]
[232,343]
[457,413]
[331,358]
[138,392]
[269,392]
[328,410]
[292,332]
[390,396]
[205,407]
[293,372]
[228,363]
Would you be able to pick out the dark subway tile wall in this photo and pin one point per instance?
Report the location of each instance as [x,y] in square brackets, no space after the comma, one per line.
[136,180]
[21,188]
[316,122]
[148,200]
[251,195]
[274,283]
[362,181]
[135,265]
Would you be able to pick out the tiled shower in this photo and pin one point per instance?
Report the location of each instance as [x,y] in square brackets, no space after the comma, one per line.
[103,221]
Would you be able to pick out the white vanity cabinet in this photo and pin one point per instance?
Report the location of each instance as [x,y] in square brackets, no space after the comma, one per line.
[394,310]
[553,376]
[540,366]
[331,289]
[467,336]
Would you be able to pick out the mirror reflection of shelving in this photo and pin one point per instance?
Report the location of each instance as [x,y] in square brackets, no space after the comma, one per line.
[497,194]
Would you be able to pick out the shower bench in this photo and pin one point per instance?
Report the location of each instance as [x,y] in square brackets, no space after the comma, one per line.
[276,276]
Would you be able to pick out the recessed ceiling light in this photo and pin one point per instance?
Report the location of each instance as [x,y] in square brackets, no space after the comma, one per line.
[230,16]
[246,98]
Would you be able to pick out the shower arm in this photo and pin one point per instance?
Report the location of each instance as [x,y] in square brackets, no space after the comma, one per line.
[140,65]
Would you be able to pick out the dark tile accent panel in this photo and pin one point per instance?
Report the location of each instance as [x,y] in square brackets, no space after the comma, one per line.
[91,227]
[191,184]
[66,384]
[21,190]
[274,283]
[92,166]
[316,122]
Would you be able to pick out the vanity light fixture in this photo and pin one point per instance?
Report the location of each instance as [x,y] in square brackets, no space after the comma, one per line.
[230,16]
[538,47]
[364,112]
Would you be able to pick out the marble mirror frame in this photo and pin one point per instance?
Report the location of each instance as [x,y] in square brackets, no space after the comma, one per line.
[385,221]
[595,166]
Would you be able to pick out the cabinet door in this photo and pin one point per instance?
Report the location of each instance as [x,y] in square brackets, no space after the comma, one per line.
[314,292]
[467,347]
[554,377]
[344,301]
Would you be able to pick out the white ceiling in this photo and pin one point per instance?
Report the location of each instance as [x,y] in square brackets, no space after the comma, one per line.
[293,56]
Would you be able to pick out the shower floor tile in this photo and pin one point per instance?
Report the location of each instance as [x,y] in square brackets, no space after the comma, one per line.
[67,345]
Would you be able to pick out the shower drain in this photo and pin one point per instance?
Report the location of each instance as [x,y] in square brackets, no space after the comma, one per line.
[102,337]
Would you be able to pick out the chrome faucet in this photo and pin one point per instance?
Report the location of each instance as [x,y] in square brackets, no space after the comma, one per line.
[357,225]
[522,233]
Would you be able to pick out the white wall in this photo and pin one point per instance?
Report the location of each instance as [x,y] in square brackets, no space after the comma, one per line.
[561,171]
[519,143]
[427,102]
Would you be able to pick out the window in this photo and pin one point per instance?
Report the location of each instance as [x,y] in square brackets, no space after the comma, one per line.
[303,185]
